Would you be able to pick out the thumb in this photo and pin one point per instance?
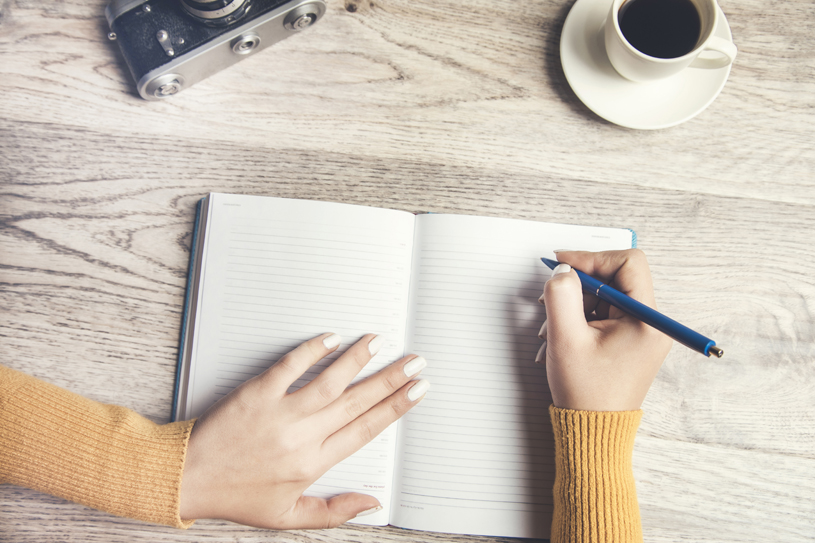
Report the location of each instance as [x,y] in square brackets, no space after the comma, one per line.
[318,513]
[563,297]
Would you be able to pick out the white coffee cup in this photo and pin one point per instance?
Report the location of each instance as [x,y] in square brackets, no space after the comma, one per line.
[635,65]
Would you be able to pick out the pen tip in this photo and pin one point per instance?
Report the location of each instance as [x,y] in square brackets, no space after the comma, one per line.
[551,263]
[714,350]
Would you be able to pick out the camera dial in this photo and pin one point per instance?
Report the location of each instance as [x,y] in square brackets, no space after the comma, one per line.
[303,16]
[165,85]
[245,44]
[216,12]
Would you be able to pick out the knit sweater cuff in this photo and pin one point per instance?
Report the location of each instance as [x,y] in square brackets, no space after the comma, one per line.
[101,456]
[594,495]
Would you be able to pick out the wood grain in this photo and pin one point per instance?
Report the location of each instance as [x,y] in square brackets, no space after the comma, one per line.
[424,106]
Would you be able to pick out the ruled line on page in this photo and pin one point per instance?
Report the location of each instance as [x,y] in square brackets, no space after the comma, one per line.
[272,259]
[462,500]
[237,258]
[512,465]
[338,245]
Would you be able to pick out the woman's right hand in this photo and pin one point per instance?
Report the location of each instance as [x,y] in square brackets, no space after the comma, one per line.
[597,357]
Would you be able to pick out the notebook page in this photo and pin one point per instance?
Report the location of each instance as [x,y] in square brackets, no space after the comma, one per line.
[278,272]
[476,456]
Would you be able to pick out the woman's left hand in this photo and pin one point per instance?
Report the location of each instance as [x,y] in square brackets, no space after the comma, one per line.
[251,455]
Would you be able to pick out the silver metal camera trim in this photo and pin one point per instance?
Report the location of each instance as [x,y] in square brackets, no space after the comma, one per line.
[216,55]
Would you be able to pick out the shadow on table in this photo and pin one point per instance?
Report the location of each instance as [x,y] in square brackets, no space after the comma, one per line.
[535,398]
[554,69]
[120,66]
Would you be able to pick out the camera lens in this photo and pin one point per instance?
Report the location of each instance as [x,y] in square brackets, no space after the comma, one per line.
[216,12]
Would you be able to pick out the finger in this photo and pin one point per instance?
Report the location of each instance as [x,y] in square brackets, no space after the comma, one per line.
[363,429]
[604,311]
[309,512]
[332,382]
[361,397]
[294,364]
[540,358]
[542,333]
[564,306]
[627,271]
[590,303]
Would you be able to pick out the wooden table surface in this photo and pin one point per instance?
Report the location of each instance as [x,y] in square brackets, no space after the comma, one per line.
[458,107]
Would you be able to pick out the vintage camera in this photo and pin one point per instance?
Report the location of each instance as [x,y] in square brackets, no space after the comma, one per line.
[172,44]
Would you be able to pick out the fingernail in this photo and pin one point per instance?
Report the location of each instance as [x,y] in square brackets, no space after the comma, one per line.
[375,344]
[541,300]
[415,366]
[332,341]
[556,251]
[542,333]
[541,354]
[418,390]
[561,268]
[370,511]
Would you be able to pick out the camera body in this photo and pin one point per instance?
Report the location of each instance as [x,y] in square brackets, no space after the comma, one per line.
[170,45]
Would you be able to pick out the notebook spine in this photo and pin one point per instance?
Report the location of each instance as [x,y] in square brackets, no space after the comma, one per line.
[187,301]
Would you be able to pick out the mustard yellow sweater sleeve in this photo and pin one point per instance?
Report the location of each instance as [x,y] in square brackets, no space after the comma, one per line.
[102,456]
[594,495]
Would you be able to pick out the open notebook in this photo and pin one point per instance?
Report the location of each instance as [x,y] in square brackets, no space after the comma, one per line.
[476,455]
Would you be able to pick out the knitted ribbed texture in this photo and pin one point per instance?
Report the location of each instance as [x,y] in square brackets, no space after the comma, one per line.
[102,456]
[594,494]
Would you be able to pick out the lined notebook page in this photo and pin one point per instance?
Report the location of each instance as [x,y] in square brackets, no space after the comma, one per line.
[278,272]
[476,456]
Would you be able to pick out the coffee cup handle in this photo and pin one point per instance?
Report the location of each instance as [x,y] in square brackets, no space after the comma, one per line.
[726,48]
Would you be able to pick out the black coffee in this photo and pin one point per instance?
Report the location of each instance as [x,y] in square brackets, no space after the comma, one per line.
[661,28]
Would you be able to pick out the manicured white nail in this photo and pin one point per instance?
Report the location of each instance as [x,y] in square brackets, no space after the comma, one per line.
[332,341]
[415,366]
[561,268]
[375,344]
[418,390]
[542,333]
[556,251]
[370,511]
[541,354]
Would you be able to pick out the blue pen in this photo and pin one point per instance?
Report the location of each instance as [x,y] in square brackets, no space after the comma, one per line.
[669,327]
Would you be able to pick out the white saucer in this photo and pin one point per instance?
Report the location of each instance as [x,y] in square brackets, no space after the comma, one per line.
[646,106]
